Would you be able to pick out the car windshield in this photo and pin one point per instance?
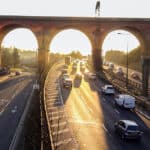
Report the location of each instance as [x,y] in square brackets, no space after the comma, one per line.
[132,128]
[66,76]
[110,88]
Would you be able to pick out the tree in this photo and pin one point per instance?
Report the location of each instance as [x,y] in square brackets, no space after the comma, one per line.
[16,57]
[76,55]
[6,57]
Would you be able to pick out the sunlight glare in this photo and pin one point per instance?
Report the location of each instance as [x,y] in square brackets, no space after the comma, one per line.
[119,40]
[20,38]
[71,40]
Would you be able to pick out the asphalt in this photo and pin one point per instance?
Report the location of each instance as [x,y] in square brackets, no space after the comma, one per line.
[13,97]
[92,116]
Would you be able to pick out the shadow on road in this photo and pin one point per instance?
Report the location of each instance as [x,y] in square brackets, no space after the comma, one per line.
[77,82]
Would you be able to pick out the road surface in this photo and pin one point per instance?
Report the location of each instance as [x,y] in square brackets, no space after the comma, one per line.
[91,116]
[13,97]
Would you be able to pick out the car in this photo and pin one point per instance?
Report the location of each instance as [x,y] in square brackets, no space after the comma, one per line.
[64,71]
[135,76]
[78,75]
[128,129]
[111,67]
[17,73]
[125,101]
[67,83]
[65,76]
[65,66]
[108,89]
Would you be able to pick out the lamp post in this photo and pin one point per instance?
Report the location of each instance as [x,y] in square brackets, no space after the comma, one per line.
[127,62]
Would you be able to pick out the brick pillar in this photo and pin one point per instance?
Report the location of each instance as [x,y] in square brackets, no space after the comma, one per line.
[145,75]
[96,52]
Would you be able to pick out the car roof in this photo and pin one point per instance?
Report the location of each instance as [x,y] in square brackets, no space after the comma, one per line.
[109,85]
[129,122]
[68,79]
[66,74]
[126,96]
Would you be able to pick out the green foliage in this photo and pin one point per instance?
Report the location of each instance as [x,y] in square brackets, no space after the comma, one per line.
[119,57]
[76,55]
[16,57]
[7,59]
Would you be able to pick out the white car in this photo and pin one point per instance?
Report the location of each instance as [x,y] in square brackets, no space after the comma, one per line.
[67,83]
[125,101]
[108,89]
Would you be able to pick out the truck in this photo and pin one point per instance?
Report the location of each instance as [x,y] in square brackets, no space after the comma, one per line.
[67,60]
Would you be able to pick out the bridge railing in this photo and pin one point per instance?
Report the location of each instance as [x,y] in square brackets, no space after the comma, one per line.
[119,83]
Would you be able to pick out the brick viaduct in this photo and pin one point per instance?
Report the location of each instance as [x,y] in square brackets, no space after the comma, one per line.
[96,29]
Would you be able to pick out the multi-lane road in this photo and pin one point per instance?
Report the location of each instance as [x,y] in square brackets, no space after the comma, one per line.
[91,116]
[13,97]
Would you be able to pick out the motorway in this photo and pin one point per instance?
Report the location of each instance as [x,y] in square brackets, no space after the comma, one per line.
[13,97]
[91,116]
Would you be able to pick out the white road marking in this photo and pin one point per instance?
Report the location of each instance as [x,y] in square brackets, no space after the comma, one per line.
[117,111]
[104,128]
[14,110]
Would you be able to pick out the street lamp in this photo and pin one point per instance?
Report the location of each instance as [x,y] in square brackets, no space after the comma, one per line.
[127,62]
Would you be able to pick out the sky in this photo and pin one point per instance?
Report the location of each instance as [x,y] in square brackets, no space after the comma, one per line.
[80,8]
[109,8]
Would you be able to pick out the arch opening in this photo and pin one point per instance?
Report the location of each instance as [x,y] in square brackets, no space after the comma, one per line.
[120,47]
[71,41]
[18,47]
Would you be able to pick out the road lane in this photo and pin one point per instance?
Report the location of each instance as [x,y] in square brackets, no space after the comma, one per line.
[15,94]
[92,116]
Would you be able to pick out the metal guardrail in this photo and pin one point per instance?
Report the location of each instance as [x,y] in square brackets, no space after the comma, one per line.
[120,86]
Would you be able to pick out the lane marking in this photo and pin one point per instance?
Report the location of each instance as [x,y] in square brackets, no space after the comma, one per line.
[117,111]
[106,130]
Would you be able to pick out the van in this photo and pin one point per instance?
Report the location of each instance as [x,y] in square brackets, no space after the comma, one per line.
[125,101]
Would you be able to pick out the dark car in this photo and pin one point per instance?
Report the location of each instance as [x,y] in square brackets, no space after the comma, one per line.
[18,73]
[128,129]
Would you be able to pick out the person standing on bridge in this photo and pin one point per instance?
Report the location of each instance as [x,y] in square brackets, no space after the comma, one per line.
[97,8]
